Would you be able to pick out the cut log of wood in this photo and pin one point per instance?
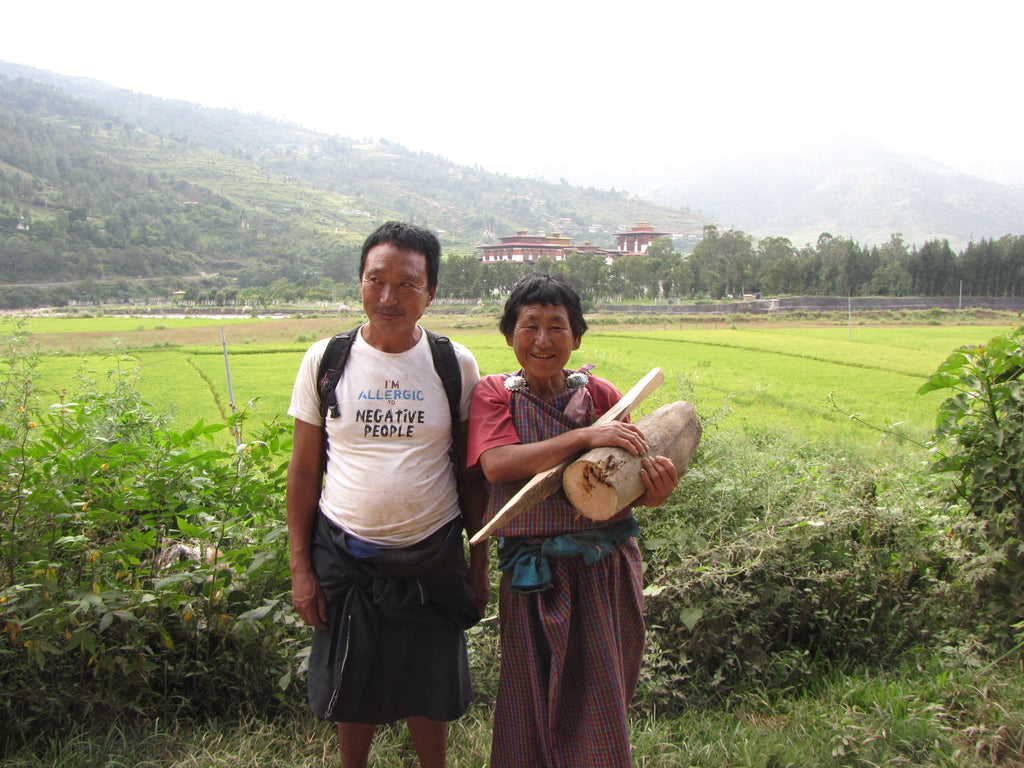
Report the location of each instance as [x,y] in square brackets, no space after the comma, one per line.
[604,481]
[543,484]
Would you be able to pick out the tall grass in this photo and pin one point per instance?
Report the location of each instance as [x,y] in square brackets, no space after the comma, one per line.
[926,716]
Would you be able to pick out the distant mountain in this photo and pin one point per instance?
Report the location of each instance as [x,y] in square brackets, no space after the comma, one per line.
[851,189]
[99,183]
[469,205]
[108,194]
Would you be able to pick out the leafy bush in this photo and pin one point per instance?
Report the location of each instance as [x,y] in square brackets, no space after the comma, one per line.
[783,560]
[979,438]
[142,571]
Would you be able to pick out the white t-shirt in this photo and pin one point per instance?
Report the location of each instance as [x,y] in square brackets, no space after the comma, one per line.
[389,477]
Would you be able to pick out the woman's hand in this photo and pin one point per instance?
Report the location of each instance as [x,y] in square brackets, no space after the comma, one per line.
[660,479]
[616,434]
[515,461]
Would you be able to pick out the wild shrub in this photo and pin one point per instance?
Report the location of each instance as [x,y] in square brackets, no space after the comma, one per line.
[780,560]
[979,440]
[143,571]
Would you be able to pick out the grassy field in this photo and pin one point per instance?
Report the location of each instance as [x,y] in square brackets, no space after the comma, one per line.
[824,380]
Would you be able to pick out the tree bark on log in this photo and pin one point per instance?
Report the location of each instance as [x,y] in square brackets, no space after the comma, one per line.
[604,481]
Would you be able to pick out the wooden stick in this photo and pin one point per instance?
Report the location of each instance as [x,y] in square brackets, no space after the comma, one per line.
[543,484]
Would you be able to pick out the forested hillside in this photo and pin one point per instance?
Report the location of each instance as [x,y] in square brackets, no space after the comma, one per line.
[130,187]
[112,196]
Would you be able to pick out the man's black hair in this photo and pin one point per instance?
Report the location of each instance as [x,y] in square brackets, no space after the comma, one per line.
[548,291]
[409,237]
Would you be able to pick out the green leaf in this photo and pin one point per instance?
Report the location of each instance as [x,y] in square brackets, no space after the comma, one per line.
[938,381]
[84,639]
[167,581]
[690,617]
[257,613]
[188,529]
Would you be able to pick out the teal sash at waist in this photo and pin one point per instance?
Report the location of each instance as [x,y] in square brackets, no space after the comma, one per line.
[527,556]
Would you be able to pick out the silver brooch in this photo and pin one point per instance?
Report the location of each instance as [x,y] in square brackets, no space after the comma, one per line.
[515,383]
[573,380]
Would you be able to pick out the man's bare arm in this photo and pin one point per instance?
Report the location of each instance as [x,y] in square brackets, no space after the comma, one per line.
[302,500]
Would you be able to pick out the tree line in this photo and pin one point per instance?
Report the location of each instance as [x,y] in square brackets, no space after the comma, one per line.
[724,264]
[731,263]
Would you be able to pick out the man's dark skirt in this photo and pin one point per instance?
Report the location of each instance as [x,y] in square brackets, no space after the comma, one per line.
[395,646]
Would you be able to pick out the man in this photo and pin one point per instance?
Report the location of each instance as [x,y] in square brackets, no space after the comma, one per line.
[377,559]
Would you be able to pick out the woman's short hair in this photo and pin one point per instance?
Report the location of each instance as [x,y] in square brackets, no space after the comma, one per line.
[548,291]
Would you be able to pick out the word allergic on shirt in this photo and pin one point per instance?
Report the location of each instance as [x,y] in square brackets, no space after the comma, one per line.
[390,421]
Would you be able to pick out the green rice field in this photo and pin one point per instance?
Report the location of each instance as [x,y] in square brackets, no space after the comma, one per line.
[823,381]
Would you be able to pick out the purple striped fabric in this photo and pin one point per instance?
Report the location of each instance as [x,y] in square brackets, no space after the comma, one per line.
[570,656]
[570,661]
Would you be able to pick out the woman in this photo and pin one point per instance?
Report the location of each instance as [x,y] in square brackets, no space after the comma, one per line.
[571,604]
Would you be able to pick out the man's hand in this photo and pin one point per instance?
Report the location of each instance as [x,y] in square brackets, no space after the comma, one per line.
[308,599]
[480,577]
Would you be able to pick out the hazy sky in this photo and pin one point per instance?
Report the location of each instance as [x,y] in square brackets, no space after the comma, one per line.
[553,88]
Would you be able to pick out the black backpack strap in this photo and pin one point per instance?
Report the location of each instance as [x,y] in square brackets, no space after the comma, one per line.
[329,373]
[447,366]
[336,355]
